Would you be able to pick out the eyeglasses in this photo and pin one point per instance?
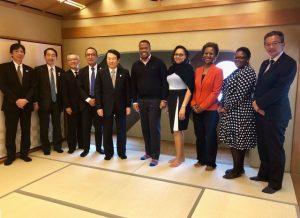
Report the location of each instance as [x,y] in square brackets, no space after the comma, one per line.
[273,44]
[179,55]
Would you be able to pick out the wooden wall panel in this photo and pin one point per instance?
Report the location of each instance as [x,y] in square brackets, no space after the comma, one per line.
[271,18]
[160,8]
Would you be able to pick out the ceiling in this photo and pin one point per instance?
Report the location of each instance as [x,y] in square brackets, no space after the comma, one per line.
[53,7]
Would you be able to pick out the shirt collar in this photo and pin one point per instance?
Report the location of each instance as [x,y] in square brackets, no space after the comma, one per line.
[49,67]
[95,67]
[277,57]
[16,65]
[147,60]
[116,69]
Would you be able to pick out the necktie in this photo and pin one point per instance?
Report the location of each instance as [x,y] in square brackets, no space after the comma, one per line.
[113,77]
[93,82]
[52,85]
[19,74]
[271,62]
[76,73]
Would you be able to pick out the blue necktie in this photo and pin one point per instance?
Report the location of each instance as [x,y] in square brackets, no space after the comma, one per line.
[92,81]
[52,85]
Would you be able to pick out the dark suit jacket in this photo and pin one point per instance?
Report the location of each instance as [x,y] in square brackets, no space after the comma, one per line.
[70,92]
[83,82]
[108,97]
[43,90]
[272,88]
[12,88]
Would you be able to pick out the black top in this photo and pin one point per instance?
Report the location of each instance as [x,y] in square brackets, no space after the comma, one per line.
[150,80]
[186,72]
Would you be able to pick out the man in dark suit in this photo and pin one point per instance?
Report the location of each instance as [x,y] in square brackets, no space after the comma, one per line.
[272,105]
[48,100]
[86,82]
[113,100]
[71,99]
[150,90]
[17,84]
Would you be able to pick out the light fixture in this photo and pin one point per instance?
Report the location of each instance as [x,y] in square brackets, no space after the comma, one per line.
[73,3]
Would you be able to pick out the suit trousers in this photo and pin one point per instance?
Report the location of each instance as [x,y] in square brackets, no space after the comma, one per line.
[44,116]
[108,132]
[150,114]
[11,123]
[271,136]
[74,135]
[205,127]
[90,117]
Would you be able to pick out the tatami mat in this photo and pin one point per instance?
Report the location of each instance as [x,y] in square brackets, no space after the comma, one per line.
[216,204]
[21,206]
[95,159]
[187,173]
[21,173]
[115,193]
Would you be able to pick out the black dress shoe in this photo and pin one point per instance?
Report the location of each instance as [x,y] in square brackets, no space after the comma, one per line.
[269,190]
[58,150]
[257,178]
[8,162]
[46,152]
[229,170]
[99,150]
[107,157]
[26,159]
[71,150]
[233,174]
[123,156]
[84,153]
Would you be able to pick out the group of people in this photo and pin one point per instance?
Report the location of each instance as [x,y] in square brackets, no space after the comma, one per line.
[251,112]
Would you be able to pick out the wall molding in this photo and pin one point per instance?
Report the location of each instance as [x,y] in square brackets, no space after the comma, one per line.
[260,19]
[160,8]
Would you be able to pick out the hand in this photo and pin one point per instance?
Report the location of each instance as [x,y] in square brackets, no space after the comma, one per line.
[197,109]
[255,106]
[181,115]
[222,110]
[261,112]
[100,112]
[68,110]
[21,102]
[136,107]
[128,110]
[162,104]
[36,106]
[92,102]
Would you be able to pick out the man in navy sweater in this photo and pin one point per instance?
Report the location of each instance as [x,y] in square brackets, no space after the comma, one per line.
[149,90]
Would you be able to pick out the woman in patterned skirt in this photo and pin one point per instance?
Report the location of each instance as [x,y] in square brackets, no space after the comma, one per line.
[181,86]
[237,124]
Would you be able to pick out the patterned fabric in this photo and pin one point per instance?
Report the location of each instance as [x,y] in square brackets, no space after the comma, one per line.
[237,126]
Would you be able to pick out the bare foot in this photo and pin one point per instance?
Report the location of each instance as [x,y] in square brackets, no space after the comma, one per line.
[176,163]
[172,160]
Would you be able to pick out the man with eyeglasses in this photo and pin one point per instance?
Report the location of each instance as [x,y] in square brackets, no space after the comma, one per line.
[86,82]
[272,105]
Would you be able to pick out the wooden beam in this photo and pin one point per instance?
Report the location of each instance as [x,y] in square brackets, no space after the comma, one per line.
[270,18]
[161,8]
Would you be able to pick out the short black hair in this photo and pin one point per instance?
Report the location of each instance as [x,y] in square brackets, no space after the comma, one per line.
[186,52]
[92,49]
[115,52]
[16,46]
[246,51]
[145,41]
[211,45]
[50,49]
[275,33]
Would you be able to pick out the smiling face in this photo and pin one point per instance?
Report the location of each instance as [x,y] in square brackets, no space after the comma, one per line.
[112,60]
[179,56]
[50,57]
[273,45]
[209,55]
[240,59]
[91,57]
[73,61]
[144,50]
[18,55]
